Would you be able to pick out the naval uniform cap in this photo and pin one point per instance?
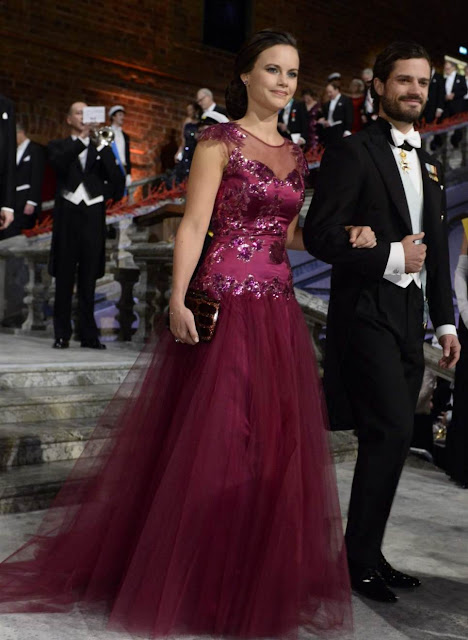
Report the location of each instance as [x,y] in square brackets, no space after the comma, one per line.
[115,108]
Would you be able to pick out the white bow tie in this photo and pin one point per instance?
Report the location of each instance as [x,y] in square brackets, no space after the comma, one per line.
[413,138]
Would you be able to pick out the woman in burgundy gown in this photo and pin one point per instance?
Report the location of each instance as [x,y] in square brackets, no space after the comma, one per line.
[205,502]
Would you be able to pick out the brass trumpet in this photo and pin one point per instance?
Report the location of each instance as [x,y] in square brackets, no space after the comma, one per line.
[102,136]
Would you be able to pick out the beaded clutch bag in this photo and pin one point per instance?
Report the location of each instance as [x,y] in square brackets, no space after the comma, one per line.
[205,311]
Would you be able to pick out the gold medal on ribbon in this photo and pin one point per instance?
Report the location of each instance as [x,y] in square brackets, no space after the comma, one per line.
[404,164]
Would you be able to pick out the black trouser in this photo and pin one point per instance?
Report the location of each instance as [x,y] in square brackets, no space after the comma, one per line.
[78,245]
[383,366]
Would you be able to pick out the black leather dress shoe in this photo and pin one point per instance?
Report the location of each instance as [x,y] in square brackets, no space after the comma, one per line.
[395,578]
[60,343]
[369,583]
[93,344]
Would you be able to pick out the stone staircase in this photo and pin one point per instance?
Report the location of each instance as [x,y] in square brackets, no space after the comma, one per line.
[47,412]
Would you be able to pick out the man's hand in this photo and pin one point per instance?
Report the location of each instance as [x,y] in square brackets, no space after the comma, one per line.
[361,237]
[451,348]
[415,254]
[450,96]
[28,209]
[282,126]
[6,218]
[439,112]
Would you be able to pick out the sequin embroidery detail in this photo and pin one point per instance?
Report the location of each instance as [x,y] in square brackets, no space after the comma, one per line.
[246,247]
[223,284]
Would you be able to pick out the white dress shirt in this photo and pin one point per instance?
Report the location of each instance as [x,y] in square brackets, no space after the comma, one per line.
[287,112]
[20,149]
[413,186]
[331,110]
[120,143]
[80,194]
[449,80]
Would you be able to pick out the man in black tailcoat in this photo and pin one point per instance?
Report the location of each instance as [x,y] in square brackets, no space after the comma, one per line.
[338,113]
[7,162]
[436,98]
[30,162]
[374,360]
[293,122]
[455,90]
[87,176]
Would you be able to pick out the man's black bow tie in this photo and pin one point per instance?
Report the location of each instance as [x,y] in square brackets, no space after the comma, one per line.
[386,128]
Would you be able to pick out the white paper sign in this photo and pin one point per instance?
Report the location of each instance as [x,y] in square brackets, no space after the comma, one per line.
[94,115]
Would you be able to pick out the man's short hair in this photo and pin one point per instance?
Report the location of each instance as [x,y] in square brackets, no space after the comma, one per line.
[385,62]
[206,92]
[335,84]
[20,126]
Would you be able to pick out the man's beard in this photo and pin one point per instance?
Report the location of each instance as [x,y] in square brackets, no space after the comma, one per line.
[394,109]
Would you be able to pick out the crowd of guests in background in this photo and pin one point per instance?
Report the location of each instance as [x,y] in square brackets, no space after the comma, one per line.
[320,118]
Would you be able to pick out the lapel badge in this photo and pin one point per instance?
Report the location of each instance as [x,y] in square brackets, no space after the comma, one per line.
[432,171]
[5,115]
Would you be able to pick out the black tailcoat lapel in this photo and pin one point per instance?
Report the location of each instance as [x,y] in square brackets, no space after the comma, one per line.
[384,160]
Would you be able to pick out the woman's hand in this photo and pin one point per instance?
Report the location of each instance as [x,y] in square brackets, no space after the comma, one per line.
[182,324]
[361,237]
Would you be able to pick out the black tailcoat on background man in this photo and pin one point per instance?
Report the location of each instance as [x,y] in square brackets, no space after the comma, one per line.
[374,353]
[29,177]
[343,114]
[436,98]
[79,231]
[7,156]
[297,122]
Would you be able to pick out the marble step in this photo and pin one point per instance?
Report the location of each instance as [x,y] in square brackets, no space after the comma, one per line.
[41,442]
[67,374]
[32,487]
[41,404]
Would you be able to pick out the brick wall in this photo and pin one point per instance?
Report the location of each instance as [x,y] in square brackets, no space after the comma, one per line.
[149,55]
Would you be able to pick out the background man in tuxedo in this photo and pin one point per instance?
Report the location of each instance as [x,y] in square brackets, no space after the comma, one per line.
[368,114]
[28,197]
[374,361]
[30,161]
[455,90]
[86,177]
[7,162]
[337,120]
[121,143]
[206,102]
[293,122]
[436,98]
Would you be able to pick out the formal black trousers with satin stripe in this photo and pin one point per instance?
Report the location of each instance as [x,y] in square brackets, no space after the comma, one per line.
[383,367]
[78,249]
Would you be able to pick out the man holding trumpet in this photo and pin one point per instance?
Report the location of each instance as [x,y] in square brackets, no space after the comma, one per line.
[87,176]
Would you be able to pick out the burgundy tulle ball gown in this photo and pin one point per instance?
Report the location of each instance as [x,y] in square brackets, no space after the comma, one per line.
[205,502]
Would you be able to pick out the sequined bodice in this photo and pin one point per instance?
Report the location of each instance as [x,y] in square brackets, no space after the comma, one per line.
[253,209]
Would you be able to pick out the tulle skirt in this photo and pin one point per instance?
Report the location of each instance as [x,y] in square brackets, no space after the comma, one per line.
[205,502]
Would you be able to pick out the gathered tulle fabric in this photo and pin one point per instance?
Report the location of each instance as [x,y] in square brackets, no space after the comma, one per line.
[205,502]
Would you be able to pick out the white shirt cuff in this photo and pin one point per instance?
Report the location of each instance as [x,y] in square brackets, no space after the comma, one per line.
[128,180]
[346,134]
[446,329]
[8,209]
[34,204]
[396,260]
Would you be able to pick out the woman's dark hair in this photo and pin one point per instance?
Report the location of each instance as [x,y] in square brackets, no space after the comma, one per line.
[197,110]
[309,92]
[385,62]
[236,93]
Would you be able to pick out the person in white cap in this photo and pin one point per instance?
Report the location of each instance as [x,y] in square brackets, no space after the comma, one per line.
[121,144]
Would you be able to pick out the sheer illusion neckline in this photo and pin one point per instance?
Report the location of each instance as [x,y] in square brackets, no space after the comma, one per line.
[274,146]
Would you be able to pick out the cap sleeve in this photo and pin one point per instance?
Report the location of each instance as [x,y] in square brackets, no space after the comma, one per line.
[226,132]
